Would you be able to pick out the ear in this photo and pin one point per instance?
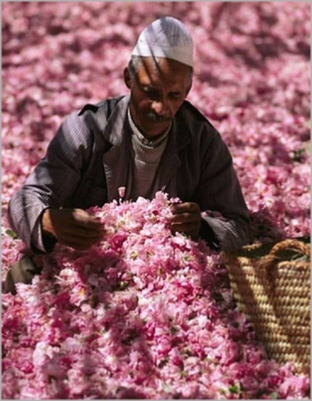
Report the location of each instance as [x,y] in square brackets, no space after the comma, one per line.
[189,87]
[127,78]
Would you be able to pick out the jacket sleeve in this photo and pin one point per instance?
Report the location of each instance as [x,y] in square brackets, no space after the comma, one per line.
[53,180]
[221,197]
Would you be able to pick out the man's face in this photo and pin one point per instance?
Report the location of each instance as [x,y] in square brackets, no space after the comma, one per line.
[157,93]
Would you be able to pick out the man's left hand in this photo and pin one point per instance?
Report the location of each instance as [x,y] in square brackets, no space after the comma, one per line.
[186,219]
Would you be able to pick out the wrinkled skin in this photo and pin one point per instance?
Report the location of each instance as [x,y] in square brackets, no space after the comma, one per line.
[158,90]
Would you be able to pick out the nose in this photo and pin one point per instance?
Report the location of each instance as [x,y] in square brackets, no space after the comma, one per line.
[160,107]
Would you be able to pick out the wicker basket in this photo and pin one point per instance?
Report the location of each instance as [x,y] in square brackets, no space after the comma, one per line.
[271,285]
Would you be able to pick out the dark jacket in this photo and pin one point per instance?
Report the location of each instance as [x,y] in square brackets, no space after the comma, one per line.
[90,158]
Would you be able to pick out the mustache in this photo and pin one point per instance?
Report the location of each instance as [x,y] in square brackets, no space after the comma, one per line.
[157,118]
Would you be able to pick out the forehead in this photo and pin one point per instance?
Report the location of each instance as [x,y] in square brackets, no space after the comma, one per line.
[162,71]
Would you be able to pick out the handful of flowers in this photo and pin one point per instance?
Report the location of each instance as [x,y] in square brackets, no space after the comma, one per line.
[144,314]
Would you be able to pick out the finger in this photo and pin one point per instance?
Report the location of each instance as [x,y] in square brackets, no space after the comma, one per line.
[184,227]
[77,242]
[80,232]
[90,231]
[90,222]
[185,218]
[81,217]
[78,246]
[189,207]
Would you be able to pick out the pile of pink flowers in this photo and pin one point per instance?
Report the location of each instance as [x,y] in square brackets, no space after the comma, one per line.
[146,314]
[143,314]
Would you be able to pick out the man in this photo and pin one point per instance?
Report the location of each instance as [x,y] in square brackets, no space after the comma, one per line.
[149,141]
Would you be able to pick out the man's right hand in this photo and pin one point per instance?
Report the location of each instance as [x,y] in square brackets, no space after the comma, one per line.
[73,227]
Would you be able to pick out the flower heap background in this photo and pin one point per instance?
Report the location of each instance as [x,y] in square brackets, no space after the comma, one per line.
[146,314]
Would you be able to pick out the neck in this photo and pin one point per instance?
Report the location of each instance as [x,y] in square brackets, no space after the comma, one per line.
[140,133]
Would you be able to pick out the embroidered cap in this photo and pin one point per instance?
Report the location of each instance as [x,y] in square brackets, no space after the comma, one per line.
[166,37]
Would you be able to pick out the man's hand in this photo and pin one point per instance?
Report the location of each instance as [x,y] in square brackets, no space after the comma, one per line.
[73,227]
[186,218]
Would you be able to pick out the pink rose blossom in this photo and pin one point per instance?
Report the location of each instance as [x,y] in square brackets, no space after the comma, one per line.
[144,313]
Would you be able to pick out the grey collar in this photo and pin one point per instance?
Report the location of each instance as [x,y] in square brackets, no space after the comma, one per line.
[147,142]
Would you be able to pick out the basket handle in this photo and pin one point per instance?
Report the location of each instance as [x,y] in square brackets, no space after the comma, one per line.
[272,258]
[291,244]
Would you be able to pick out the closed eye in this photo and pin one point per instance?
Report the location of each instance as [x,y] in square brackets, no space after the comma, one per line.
[151,93]
[175,95]
[155,94]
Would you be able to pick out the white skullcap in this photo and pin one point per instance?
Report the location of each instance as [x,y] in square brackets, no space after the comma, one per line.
[166,37]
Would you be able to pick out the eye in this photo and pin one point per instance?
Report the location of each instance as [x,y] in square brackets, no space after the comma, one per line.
[175,95]
[151,93]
